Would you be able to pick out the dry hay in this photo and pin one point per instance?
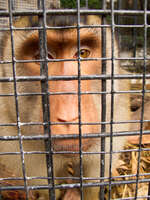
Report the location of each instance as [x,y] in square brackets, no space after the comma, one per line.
[128,164]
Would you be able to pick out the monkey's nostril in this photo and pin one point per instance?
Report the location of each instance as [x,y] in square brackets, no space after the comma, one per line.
[66,119]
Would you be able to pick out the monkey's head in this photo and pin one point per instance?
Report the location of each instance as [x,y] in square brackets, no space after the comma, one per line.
[72,101]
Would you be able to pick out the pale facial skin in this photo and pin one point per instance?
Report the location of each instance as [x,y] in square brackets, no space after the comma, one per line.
[64,46]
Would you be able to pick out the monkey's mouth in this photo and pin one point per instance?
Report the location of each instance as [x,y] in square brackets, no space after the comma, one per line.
[71,145]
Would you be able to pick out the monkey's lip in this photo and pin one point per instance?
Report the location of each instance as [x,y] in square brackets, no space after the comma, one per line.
[71,145]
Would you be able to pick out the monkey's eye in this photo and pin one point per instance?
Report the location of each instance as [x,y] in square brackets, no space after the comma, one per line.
[37,56]
[50,56]
[84,53]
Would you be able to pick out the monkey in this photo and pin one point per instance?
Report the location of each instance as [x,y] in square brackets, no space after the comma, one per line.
[136,126]
[67,110]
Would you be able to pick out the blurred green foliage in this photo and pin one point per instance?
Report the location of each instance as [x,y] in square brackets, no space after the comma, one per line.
[93,4]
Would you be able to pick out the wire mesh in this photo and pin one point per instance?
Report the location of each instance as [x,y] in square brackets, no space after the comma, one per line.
[31,141]
[26,4]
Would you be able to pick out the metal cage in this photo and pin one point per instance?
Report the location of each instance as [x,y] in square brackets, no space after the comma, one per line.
[129,20]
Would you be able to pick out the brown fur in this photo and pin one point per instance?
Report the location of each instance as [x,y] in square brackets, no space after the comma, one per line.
[63,108]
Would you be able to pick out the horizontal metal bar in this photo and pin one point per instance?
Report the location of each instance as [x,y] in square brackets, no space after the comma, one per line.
[74,136]
[74,153]
[74,27]
[75,93]
[72,123]
[46,60]
[67,78]
[72,11]
[75,185]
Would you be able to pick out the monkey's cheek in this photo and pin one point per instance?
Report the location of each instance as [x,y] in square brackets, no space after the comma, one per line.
[74,144]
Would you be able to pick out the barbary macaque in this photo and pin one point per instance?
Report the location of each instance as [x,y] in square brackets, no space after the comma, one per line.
[63,108]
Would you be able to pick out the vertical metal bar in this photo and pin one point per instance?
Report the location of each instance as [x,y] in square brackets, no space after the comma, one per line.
[16,98]
[112,97]
[118,23]
[134,31]
[45,98]
[103,104]
[13,4]
[79,99]
[143,95]
[86,4]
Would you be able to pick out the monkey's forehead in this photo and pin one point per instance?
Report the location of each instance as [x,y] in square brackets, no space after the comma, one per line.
[56,21]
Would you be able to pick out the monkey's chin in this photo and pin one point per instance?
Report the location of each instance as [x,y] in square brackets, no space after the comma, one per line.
[72,145]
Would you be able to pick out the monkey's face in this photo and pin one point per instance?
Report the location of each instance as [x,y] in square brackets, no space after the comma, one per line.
[69,109]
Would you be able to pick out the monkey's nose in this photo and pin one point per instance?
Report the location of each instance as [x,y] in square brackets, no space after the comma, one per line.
[68,113]
[64,108]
